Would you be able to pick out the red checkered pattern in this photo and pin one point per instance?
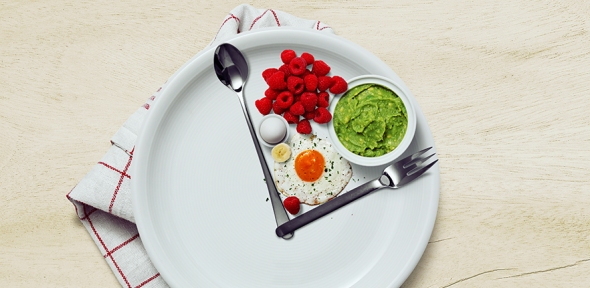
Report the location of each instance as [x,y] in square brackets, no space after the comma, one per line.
[102,199]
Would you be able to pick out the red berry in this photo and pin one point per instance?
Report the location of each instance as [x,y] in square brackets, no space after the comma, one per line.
[311,82]
[292,205]
[264,105]
[320,68]
[287,56]
[308,58]
[305,73]
[296,98]
[297,109]
[295,85]
[269,72]
[304,127]
[323,99]
[277,109]
[309,114]
[285,99]
[285,69]
[322,115]
[277,81]
[272,94]
[324,83]
[340,86]
[297,66]
[309,100]
[291,119]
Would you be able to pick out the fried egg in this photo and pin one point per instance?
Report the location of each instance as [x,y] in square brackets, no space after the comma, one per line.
[315,173]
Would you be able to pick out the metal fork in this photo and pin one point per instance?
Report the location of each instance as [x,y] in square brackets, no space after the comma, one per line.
[394,176]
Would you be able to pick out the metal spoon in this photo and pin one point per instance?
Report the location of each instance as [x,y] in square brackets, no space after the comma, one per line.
[232,70]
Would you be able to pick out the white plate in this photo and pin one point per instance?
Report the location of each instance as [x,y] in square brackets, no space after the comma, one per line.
[200,201]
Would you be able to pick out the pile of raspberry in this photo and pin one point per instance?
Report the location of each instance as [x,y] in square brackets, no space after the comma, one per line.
[295,91]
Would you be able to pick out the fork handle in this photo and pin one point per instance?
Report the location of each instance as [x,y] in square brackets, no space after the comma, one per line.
[328,207]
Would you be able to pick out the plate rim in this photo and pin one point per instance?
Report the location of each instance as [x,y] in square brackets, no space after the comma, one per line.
[168,95]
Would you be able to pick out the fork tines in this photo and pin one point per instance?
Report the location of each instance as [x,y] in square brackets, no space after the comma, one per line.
[413,156]
[417,159]
[412,165]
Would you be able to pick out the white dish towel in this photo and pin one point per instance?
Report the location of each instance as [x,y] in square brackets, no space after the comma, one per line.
[103,197]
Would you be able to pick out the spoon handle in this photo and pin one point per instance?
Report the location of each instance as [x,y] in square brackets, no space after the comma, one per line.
[277,205]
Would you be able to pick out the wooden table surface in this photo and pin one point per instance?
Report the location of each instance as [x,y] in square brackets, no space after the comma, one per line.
[504,85]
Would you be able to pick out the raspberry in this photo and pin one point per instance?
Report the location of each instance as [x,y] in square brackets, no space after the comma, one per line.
[296,98]
[285,69]
[272,94]
[277,81]
[305,73]
[322,115]
[285,99]
[264,105]
[292,205]
[308,58]
[304,127]
[269,72]
[309,100]
[297,66]
[277,109]
[340,86]
[324,83]
[309,114]
[291,119]
[320,68]
[297,109]
[295,85]
[287,56]
[323,99]
[311,82]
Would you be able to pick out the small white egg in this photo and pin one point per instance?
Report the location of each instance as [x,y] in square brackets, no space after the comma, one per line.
[273,130]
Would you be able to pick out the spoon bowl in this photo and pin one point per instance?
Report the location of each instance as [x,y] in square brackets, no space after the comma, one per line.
[230,66]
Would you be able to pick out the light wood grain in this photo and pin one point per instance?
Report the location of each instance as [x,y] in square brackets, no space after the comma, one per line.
[505,86]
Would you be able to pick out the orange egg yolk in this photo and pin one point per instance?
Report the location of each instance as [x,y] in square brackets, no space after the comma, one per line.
[309,165]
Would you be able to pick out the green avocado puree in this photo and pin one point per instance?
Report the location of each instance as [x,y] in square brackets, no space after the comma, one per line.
[370,120]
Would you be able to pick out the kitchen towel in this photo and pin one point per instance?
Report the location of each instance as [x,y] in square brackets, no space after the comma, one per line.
[102,198]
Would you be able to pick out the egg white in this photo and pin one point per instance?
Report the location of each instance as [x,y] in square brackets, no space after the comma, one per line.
[336,175]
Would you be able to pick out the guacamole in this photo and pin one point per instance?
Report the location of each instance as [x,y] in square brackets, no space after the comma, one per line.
[370,120]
